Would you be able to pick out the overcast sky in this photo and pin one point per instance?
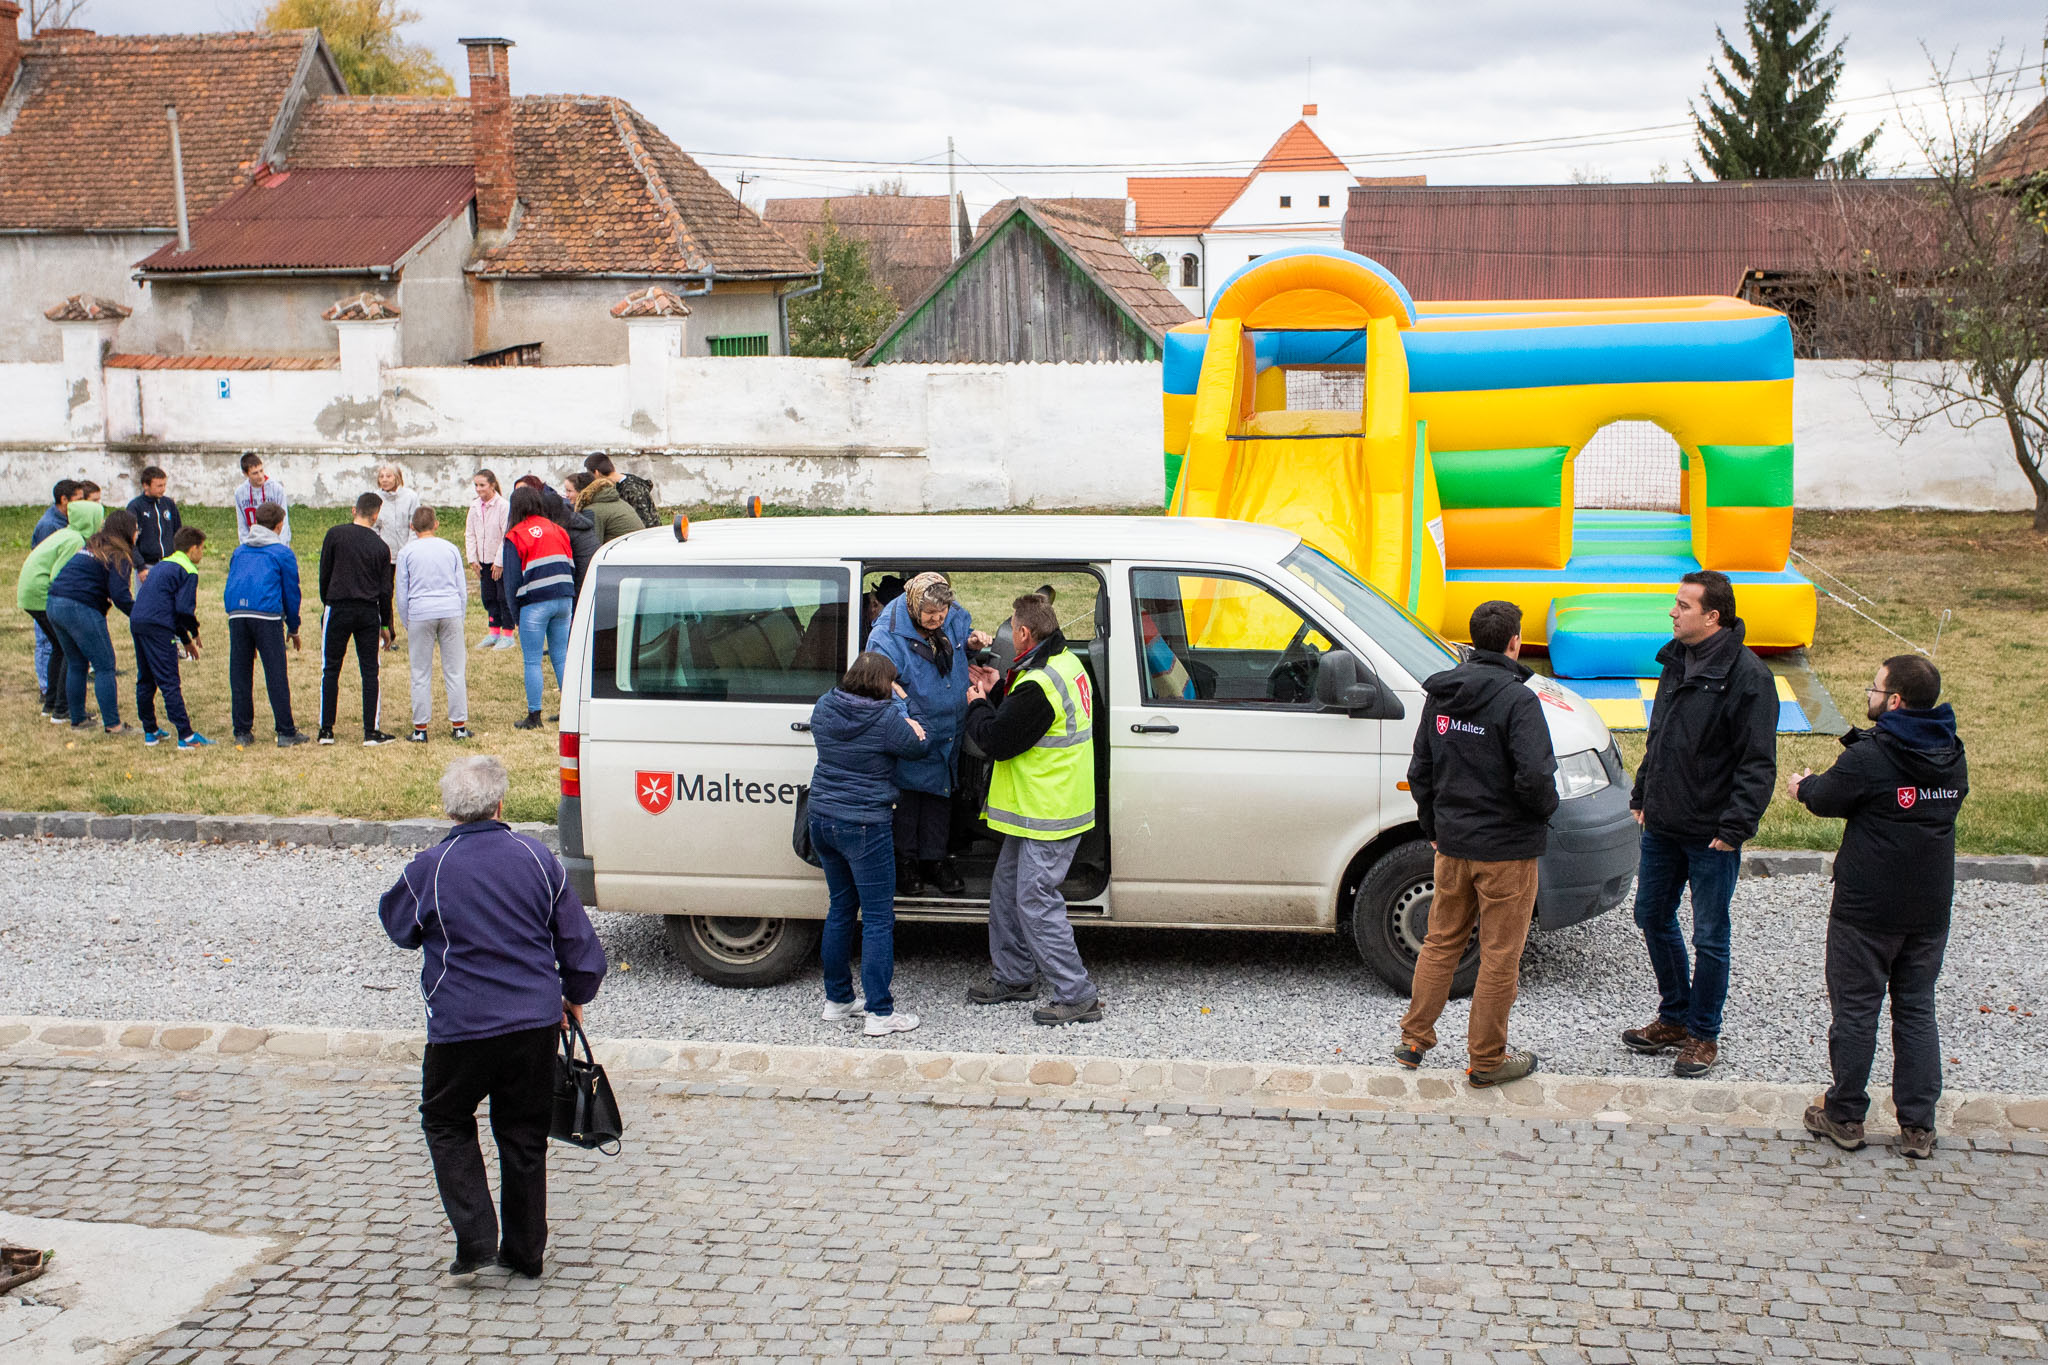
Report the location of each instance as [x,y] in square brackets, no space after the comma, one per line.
[750,87]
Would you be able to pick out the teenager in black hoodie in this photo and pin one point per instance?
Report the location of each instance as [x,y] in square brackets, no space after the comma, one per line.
[1899,785]
[1484,778]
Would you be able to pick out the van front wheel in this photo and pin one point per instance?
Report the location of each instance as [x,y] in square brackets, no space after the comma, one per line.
[730,951]
[1390,919]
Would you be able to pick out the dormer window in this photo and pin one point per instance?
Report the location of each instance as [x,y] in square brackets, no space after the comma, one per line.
[1286,201]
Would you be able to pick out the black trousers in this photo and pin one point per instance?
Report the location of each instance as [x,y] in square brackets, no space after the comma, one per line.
[156,670]
[341,624]
[517,1072]
[251,638]
[1864,966]
[924,823]
[53,695]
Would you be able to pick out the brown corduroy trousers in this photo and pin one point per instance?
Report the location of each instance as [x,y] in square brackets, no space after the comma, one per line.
[1501,896]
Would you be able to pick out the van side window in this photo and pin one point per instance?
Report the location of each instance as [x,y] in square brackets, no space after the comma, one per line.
[719,633]
[1219,640]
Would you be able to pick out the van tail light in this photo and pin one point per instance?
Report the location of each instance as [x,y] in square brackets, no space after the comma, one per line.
[571,748]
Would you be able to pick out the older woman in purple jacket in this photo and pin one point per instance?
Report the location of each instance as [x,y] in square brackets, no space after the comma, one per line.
[510,958]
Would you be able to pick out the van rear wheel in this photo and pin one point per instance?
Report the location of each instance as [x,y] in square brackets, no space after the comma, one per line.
[744,951]
[1390,919]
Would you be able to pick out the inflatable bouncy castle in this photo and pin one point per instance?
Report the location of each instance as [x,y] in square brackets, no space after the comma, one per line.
[1432,449]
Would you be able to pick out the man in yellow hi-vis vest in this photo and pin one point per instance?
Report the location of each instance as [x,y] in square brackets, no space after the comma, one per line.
[1042,800]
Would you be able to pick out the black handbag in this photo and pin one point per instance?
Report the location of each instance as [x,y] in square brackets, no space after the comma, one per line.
[585,1114]
[800,836]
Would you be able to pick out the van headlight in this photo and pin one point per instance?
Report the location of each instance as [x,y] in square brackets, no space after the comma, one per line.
[1580,774]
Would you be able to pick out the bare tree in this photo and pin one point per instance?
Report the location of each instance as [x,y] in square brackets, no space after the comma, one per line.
[44,14]
[1946,284]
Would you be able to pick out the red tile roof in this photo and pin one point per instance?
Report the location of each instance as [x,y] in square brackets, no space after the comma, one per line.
[1181,205]
[363,307]
[1603,241]
[2024,150]
[122,360]
[911,238]
[310,218]
[1300,149]
[601,190]
[83,139]
[87,308]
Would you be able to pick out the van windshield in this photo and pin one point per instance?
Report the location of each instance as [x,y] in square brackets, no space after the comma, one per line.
[1414,646]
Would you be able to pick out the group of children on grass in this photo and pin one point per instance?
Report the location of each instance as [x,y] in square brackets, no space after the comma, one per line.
[384,570]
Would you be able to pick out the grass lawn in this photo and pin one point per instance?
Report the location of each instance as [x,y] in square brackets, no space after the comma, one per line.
[1987,568]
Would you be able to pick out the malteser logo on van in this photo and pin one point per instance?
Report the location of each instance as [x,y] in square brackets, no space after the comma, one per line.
[658,791]
[655,791]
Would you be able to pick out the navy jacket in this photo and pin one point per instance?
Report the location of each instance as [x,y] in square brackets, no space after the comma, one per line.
[156,525]
[504,937]
[1484,776]
[84,579]
[936,684]
[168,600]
[859,740]
[51,520]
[1711,757]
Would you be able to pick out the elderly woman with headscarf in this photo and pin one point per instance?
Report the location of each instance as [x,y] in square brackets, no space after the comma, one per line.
[925,633]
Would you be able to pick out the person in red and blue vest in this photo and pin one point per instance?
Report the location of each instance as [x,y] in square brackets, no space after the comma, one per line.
[540,588]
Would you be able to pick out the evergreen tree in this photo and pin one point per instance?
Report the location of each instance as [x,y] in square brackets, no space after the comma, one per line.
[851,310]
[1771,121]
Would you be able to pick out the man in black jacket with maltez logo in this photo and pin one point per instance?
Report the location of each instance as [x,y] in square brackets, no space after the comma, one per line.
[1899,784]
[1706,777]
[1484,778]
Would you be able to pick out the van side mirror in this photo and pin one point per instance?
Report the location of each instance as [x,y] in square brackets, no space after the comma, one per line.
[1343,684]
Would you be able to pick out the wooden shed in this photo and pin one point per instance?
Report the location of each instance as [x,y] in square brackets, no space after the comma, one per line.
[1040,283]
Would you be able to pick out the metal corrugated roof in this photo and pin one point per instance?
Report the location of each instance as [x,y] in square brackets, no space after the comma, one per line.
[364,219]
[1604,241]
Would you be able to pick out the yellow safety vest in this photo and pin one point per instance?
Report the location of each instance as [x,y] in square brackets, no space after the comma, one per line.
[1048,791]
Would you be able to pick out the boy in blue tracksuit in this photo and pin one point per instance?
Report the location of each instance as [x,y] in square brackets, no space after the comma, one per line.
[156,520]
[262,598]
[166,616]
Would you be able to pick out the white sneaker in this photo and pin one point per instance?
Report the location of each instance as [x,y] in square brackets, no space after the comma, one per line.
[836,1013]
[508,642]
[882,1025]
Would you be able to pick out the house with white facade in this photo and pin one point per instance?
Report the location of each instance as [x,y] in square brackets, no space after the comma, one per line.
[1203,228]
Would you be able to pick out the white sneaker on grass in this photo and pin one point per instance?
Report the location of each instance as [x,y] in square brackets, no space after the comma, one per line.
[882,1025]
[836,1013]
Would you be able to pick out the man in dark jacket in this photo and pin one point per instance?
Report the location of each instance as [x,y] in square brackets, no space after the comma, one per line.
[1706,776]
[166,616]
[509,958]
[355,586]
[156,520]
[1899,784]
[1484,778]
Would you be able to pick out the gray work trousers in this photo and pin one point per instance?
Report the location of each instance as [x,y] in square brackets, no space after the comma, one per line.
[420,639]
[1028,932]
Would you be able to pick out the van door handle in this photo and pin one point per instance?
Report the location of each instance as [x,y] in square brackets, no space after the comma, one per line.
[802,727]
[1155,729]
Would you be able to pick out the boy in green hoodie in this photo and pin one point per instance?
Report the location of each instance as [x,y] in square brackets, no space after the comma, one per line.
[32,590]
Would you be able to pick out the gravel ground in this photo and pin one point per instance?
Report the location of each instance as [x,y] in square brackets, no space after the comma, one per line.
[264,937]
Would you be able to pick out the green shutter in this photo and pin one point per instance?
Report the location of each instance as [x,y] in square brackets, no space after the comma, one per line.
[756,344]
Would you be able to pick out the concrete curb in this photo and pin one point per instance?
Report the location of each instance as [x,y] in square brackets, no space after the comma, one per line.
[1152,1085]
[327,831]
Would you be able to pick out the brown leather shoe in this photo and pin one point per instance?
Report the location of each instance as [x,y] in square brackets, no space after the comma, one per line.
[1917,1143]
[1655,1037]
[1847,1136]
[1696,1057]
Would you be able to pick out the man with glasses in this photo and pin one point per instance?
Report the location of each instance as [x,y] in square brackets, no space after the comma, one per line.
[1899,785]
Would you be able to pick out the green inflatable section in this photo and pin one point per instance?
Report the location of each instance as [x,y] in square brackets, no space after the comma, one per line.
[1500,478]
[1748,476]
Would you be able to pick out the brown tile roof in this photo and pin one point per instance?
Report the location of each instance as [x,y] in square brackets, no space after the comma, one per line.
[1108,212]
[87,308]
[1609,241]
[313,218]
[910,237]
[363,307]
[2024,150]
[651,302]
[601,190]
[125,360]
[83,139]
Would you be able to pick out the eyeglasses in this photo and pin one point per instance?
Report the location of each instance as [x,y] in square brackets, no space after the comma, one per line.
[1879,692]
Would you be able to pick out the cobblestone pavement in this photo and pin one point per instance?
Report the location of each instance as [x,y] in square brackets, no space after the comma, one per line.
[747,1223]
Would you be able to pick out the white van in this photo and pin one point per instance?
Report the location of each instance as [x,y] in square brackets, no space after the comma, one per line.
[1274,797]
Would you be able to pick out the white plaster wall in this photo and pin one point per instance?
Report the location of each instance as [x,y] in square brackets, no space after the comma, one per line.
[39,270]
[819,433]
[1842,457]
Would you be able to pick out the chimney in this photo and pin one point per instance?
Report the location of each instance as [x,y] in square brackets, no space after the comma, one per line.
[490,130]
[10,43]
[1308,111]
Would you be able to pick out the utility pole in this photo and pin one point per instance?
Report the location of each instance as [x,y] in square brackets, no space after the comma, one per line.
[745,180]
[952,203]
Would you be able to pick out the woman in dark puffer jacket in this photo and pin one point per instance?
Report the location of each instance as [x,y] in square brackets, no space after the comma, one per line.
[861,728]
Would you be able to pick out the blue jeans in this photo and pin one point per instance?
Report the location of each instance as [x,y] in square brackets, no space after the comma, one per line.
[1692,994]
[544,624]
[860,873]
[42,660]
[82,632]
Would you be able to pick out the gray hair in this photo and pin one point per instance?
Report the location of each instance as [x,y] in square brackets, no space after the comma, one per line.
[473,788]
